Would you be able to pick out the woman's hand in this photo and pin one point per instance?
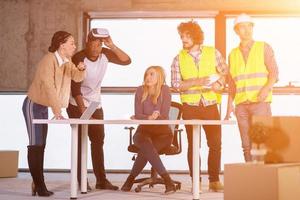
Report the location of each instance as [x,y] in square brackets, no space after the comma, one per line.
[81,66]
[132,117]
[154,115]
[59,116]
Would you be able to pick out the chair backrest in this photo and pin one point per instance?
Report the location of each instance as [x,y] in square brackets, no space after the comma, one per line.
[174,114]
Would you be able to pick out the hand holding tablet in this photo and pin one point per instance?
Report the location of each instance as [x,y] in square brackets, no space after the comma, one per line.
[212,78]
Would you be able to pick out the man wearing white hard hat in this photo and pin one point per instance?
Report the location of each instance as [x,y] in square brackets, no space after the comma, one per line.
[253,72]
[96,59]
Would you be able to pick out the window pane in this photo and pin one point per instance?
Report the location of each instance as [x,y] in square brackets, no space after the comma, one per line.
[282,33]
[148,42]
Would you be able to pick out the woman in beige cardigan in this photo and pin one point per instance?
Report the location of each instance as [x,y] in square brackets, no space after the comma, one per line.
[49,88]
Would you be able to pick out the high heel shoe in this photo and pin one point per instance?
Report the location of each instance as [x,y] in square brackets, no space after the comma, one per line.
[169,184]
[40,191]
[128,184]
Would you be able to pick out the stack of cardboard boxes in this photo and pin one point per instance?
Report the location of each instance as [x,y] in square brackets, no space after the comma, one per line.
[8,163]
[250,181]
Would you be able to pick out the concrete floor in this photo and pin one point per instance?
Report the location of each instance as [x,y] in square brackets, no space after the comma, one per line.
[19,188]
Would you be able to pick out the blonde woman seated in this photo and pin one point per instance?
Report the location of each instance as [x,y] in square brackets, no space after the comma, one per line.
[152,101]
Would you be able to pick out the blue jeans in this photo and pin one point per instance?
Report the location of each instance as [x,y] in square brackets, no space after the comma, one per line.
[244,113]
[37,133]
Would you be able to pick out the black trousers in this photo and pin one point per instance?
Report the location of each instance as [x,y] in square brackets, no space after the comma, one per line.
[213,136]
[96,137]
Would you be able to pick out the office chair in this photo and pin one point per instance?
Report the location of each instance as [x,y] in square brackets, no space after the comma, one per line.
[175,148]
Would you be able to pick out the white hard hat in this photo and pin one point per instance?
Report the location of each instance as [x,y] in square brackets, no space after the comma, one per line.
[243,18]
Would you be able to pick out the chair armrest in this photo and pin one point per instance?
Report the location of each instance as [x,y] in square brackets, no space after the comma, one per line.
[130,133]
[177,133]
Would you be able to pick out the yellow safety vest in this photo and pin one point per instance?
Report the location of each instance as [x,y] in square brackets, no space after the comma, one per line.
[249,78]
[188,70]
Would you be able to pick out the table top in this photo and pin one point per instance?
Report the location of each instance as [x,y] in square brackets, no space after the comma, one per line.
[129,121]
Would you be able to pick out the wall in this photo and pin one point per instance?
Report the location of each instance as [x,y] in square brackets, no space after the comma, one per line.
[26,31]
[26,26]
[13,48]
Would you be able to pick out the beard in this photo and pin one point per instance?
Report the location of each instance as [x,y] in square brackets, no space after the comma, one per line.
[187,46]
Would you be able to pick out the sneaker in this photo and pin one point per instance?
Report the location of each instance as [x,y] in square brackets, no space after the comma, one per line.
[216,186]
[200,188]
[106,185]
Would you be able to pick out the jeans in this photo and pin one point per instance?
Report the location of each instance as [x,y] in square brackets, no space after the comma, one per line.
[37,133]
[96,136]
[244,113]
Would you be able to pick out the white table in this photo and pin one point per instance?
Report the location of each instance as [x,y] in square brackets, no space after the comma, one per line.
[74,145]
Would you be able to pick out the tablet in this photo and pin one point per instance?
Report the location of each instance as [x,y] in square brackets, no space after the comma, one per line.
[213,78]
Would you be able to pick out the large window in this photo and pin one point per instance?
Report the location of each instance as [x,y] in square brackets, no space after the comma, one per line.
[156,42]
[148,42]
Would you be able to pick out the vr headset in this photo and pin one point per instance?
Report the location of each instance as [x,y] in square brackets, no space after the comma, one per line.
[100,33]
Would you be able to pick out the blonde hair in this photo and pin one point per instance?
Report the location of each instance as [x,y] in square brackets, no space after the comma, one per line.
[160,82]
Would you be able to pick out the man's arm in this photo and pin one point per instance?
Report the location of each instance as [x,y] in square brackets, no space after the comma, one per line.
[76,86]
[231,95]
[76,93]
[115,55]
[222,70]
[272,68]
[183,85]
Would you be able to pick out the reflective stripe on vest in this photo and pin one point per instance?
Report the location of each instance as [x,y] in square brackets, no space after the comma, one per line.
[249,78]
[205,67]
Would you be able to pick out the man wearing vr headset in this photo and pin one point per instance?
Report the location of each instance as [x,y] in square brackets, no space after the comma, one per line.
[96,59]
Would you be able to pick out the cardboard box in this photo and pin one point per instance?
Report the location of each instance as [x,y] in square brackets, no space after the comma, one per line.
[250,181]
[290,127]
[9,163]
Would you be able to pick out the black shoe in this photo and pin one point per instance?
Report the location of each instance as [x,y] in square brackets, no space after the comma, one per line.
[128,184]
[106,185]
[169,184]
[35,163]
[40,191]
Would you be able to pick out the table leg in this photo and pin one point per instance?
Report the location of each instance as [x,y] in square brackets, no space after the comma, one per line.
[196,138]
[74,150]
[84,159]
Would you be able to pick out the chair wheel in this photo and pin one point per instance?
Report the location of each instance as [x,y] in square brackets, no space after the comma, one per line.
[151,185]
[138,189]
